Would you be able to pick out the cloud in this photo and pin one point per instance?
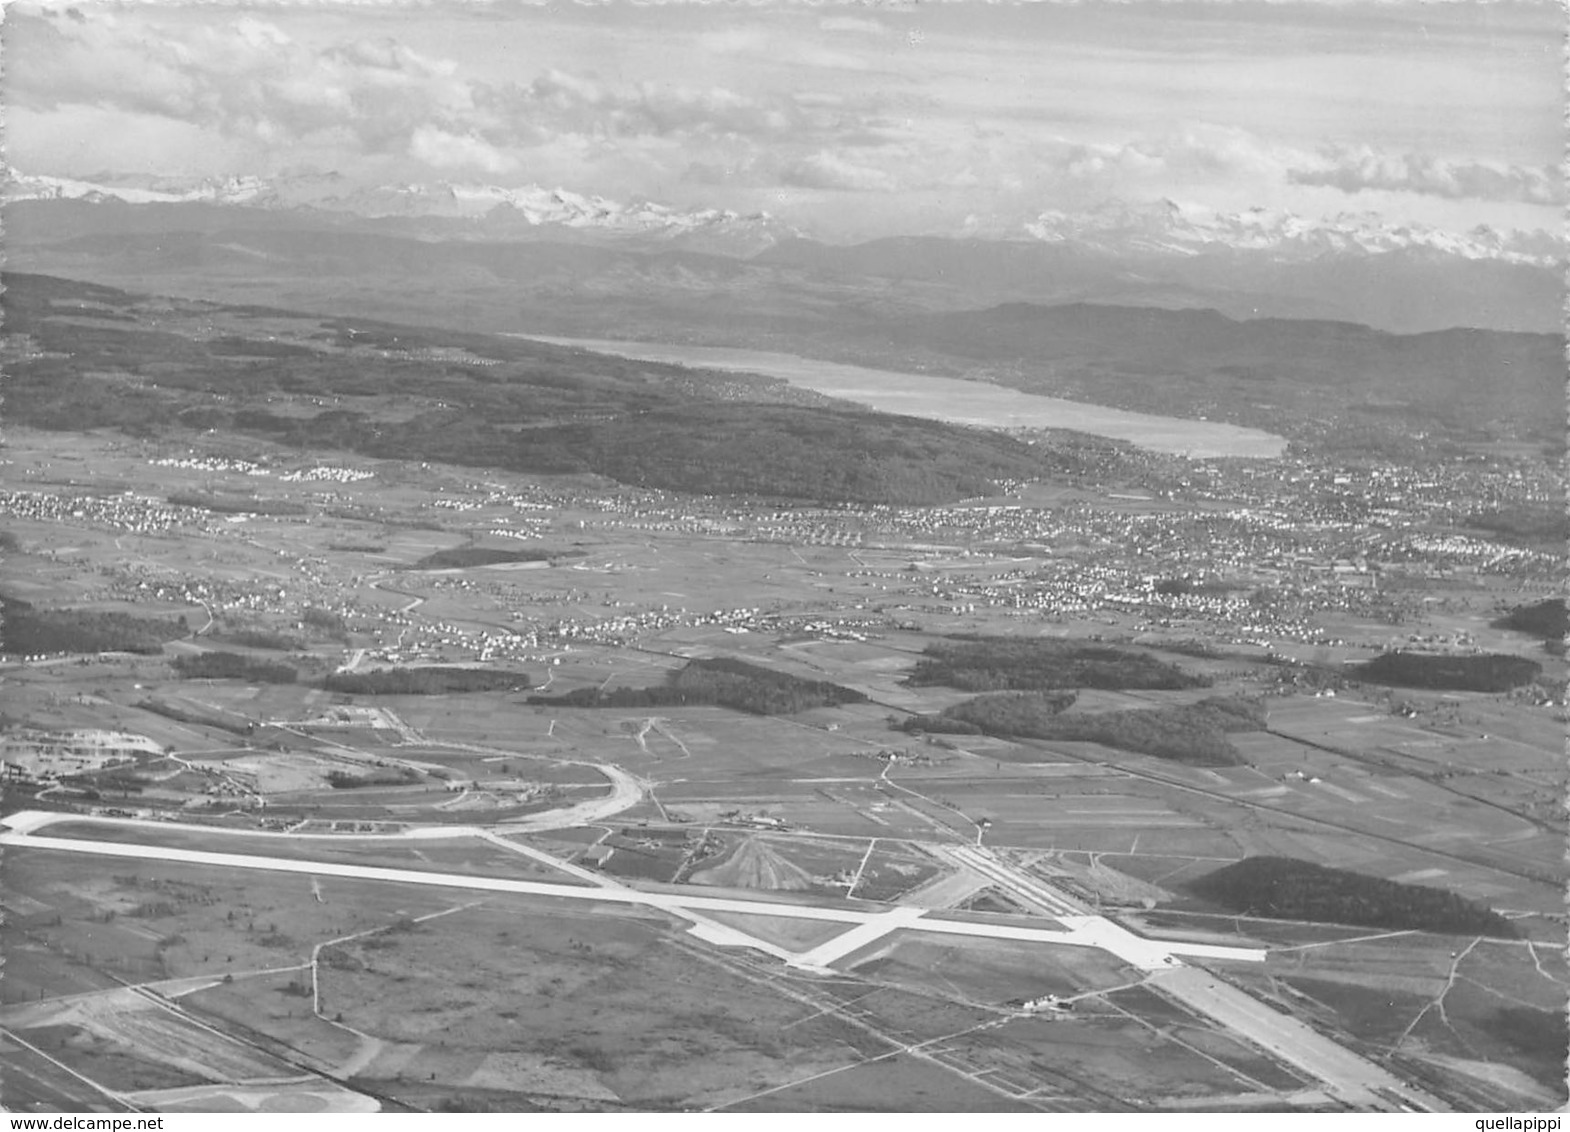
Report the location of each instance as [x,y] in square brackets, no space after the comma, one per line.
[734,41]
[241,78]
[854,24]
[1355,169]
[247,79]
[387,54]
[1217,154]
[825,170]
[564,101]
[1198,151]
[442,150]
[741,108]
[773,50]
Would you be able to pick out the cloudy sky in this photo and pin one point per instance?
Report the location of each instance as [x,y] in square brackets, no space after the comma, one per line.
[847,120]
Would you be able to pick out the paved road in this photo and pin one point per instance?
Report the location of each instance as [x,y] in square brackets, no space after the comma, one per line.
[626,792]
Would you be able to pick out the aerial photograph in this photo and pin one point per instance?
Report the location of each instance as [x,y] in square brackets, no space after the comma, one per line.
[770,557]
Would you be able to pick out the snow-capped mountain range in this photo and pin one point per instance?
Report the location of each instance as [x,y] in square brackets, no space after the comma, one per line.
[1162,228]
[228,190]
[1168,227]
[538,207]
[496,210]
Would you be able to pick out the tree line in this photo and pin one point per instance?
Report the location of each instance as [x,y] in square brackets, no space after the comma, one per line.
[233,666]
[342,780]
[434,680]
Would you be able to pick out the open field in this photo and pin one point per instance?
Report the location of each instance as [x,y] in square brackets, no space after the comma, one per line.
[126,1041]
[34,1082]
[890,870]
[649,1005]
[782,931]
[997,972]
[866,1088]
[1466,1005]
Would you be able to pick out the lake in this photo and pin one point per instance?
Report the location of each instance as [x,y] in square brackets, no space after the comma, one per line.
[952,399]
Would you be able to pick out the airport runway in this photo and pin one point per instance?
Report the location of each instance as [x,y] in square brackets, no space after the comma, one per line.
[1082,935]
[1350,1078]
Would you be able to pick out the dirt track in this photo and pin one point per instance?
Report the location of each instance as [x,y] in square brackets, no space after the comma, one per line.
[755,864]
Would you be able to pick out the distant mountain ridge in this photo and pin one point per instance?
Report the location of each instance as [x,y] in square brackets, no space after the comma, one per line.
[1403,289]
[1257,264]
[1319,380]
[1164,227]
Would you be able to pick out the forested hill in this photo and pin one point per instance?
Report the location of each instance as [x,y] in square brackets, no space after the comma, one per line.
[1285,888]
[85,356]
[724,681]
[25,630]
[1483,672]
[1196,734]
[990,664]
[1546,619]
